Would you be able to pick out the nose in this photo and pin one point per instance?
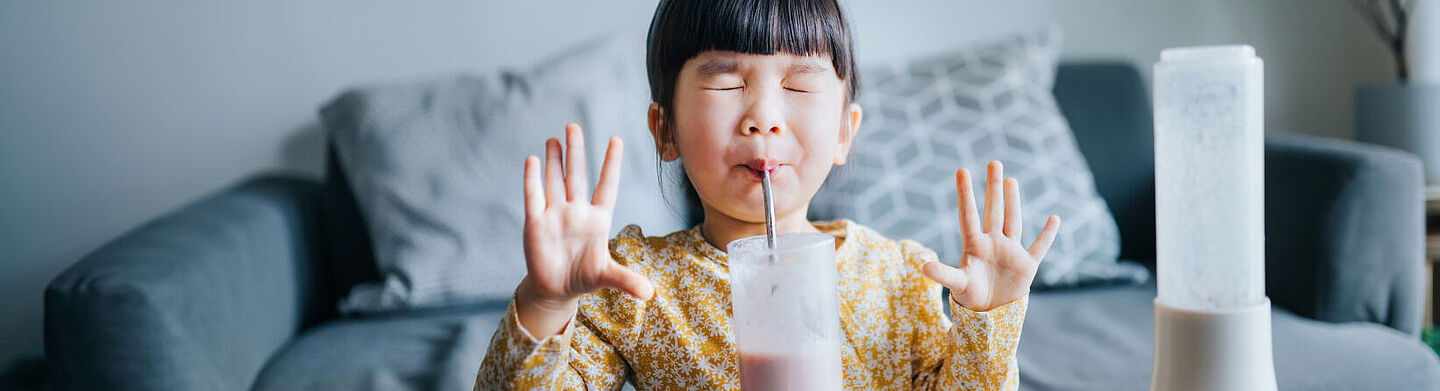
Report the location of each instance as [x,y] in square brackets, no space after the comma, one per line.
[753,127]
[762,117]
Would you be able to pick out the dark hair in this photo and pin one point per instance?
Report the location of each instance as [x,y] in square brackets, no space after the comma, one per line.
[682,29]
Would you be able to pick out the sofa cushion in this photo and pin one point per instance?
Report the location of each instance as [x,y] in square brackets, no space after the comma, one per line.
[1102,338]
[422,350]
[1097,338]
[961,109]
[435,167]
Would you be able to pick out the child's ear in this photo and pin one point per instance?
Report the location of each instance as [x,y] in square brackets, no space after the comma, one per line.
[664,138]
[851,125]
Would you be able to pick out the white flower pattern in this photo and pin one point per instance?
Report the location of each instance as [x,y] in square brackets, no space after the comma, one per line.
[897,334]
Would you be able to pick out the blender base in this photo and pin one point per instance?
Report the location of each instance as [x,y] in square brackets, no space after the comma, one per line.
[1220,350]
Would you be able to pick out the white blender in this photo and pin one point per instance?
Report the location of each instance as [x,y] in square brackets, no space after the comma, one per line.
[1212,318]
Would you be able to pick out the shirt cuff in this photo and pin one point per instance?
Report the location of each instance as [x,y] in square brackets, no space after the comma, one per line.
[516,358]
[1012,313]
[523,341]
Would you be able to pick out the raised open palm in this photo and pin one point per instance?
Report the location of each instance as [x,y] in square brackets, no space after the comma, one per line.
[994,268]
[567,249]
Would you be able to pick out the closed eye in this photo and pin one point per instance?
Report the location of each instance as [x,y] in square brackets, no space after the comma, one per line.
[725,89]
[796,90]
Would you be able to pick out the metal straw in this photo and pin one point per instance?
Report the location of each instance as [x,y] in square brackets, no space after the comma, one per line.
[769,214]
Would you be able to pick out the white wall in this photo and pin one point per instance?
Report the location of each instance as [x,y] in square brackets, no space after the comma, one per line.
[1315,51]
[114,113]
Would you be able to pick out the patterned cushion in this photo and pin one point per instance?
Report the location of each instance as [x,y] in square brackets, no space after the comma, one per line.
[926,118]
[436,167]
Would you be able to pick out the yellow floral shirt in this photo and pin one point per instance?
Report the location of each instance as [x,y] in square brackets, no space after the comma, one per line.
[896,333]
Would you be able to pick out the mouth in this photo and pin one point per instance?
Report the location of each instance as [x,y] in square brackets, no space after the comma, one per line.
[758,167]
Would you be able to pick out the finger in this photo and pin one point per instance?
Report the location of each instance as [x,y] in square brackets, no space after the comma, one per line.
[994,176]
[624,279]
[948,276]
[1047,237]
[534,189]
[969,217]
[575,174]
[554,187]
[1012,209]
[609,174]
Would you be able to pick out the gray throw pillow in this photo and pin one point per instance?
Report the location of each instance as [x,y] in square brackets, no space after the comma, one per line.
[436,168]
[926,118]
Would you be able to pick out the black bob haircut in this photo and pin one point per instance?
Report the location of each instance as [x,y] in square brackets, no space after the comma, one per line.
[683,29]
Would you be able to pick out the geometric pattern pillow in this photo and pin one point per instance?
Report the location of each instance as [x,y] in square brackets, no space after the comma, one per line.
[924,119]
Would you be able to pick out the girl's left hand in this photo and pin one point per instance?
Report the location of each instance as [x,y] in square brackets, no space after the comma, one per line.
[994,269]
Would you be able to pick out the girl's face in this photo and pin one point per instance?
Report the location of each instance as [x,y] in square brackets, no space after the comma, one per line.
[737,114]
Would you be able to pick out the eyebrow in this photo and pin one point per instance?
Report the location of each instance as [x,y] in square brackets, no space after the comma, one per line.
[717,67]
[808,66]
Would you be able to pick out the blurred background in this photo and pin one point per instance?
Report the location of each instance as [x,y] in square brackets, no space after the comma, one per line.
[112,113]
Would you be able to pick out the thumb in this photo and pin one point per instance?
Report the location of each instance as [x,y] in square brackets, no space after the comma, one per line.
[948,276]
[622,278]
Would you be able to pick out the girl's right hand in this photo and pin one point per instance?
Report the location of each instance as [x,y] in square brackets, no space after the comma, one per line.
[567,252]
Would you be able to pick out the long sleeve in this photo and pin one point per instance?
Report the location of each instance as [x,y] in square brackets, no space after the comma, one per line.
[974,351]
[982,347]
[575,359]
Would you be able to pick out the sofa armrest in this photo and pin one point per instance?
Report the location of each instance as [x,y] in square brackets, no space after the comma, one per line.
[1345,231]
[195,300]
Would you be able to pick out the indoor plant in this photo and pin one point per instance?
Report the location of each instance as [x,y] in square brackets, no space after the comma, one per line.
[1406,113]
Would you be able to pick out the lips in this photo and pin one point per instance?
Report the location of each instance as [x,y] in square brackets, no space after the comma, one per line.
[759,166]
[763,165]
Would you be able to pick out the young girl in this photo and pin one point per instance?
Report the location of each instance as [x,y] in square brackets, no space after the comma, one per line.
[740,87]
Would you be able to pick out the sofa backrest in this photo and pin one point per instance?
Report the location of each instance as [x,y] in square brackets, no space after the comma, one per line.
[1108,106]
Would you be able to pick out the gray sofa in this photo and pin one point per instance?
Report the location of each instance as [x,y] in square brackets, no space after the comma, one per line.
[238,290]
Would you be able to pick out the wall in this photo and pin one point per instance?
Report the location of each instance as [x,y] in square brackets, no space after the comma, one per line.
[112,114]
[1315,51]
